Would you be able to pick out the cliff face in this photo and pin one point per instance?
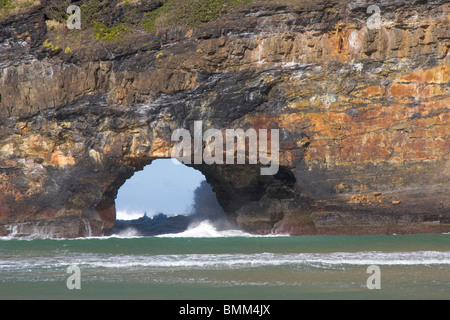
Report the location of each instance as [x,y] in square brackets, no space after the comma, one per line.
[363,114]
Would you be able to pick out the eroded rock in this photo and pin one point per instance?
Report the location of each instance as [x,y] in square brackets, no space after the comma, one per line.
[363,117]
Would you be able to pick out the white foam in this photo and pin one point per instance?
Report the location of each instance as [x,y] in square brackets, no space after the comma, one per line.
[129,215]
[227,261]
[127,233]
[205,229]
[241,260]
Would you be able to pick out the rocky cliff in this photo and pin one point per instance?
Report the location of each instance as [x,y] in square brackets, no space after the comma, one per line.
[361,105]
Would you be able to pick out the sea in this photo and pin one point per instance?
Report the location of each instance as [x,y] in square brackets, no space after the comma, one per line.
[204,262]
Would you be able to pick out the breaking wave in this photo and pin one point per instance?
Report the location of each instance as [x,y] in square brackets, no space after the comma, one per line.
[206,261]
[206,229]
[232,261]
[175,227]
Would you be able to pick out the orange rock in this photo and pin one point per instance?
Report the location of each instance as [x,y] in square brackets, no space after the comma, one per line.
[438,74]
[374,91]
[403,90]
[59,159]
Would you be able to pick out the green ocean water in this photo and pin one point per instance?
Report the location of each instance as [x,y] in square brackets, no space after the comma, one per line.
[227,267]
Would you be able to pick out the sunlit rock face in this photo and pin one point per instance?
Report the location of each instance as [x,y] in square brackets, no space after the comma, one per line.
[362,113]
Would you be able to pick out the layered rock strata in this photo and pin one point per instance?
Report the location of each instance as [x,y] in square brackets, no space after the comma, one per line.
[363,116]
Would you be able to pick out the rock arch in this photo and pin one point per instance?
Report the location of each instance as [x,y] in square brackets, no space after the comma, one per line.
[362,114]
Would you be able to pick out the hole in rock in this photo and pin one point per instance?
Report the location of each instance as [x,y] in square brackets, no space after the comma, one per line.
[166,197]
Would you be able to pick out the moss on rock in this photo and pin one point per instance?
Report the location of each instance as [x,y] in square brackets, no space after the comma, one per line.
[104,33]
[190,13]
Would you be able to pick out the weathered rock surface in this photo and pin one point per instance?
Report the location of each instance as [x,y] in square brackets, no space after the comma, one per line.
[363,116]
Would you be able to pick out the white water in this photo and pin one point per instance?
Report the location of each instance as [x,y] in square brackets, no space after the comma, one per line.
[226,261]
[230,261]
[205,229]
[127,233]
[132,215]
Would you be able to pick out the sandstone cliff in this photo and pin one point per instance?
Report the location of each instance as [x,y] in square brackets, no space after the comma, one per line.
[363,112]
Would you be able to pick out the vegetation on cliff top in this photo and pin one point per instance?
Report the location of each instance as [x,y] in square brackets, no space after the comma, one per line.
[167,13]
[189,12]
[11,7]
[112,20]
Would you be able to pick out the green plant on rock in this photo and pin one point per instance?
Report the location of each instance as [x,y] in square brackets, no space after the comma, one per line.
[149,22]
[189,13]
[5,4]
[56,10]
[104,33]
[50,45]
[14,6]
[5,7]
[90,11]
